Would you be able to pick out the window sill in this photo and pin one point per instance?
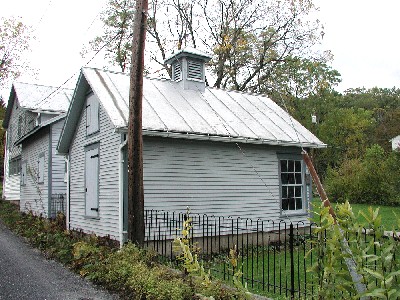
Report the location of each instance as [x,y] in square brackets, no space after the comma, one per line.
[293,214]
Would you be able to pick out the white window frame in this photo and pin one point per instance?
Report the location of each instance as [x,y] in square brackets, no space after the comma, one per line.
[92,115]
[40,168]
[292,185]
[14,167]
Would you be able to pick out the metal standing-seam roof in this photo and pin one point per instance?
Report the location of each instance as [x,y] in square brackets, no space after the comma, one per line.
[213,114]
[38,98]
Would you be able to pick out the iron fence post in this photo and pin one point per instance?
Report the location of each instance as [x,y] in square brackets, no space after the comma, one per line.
[291,250]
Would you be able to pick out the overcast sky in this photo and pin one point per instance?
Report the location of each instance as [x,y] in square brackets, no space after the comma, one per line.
[362,35]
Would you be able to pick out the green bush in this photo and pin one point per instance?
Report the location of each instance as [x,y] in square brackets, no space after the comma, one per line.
[374,180]
[134,273]
[372,255]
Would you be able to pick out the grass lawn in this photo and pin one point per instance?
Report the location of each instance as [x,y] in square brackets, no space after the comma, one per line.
[387,214]
[271,266]
[389,219]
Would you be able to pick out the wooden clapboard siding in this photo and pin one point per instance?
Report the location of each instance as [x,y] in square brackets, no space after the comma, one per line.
[58,185]
[34,195]
[211,178]
[11,183]
[109,141]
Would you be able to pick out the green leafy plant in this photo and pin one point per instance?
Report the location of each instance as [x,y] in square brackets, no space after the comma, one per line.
[187,255]
[237,274]
[196,274]
[376,256]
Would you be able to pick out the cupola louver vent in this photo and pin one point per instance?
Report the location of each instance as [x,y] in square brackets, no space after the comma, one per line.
[177,72]
[195,70]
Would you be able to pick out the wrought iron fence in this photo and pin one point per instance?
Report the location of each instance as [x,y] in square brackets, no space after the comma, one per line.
[272,254]
[57,204]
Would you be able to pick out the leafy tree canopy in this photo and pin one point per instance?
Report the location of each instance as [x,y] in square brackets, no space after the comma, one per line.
[257,45]
[14,42]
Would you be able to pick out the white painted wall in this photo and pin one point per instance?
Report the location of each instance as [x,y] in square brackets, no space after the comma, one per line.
[34,195]
[215,178]
[59,186]
[11,183]
[108,221]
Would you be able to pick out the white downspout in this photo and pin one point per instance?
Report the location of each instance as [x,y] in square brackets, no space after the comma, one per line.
[67,215]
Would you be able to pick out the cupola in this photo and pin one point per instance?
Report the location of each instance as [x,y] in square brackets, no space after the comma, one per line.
[188,68]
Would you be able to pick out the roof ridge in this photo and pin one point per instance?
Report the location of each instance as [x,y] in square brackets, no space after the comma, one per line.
[42,85]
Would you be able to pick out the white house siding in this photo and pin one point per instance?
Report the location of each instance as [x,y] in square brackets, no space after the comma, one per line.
[58,162]
[109,141]
[211,178]
[11,182]
[216,179]
[34,195]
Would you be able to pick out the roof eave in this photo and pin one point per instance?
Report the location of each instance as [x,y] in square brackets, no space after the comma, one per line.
[10,104]
[208,137]
[72,115]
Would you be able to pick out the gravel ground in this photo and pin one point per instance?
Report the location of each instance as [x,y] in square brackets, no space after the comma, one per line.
[26,274]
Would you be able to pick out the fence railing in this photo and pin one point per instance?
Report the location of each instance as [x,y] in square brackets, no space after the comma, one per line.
[271,254]
[57,204]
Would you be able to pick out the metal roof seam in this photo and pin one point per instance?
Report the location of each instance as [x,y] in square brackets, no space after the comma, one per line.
[271,110]
[252,104]
[275,111]
[221,119]
[236,116]
[249,115]
[188,102]
[112,96]
[117,91]
[158,116]
[173,107]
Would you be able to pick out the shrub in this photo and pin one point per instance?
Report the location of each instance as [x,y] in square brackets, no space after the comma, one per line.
[373,180]
[374,257]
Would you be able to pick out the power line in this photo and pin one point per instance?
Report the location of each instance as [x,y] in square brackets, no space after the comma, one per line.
[90,60]
[44,13]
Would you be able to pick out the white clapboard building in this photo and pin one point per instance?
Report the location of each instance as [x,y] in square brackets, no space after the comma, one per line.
[219,152]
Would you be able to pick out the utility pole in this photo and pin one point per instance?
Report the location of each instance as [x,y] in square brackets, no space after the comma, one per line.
[135,140]
[349,260]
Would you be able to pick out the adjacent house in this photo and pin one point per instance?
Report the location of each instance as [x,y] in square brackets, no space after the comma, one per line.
[395,143]
[43,173]
[33,122]
[218,152]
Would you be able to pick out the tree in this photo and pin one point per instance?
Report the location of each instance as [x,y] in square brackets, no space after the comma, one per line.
[2,135]
[249,39]
[117,36]
[14,43]
[347,132]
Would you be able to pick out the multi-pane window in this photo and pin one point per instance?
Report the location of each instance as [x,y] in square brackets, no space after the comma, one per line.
[291,184]
[15,166]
